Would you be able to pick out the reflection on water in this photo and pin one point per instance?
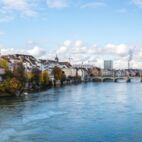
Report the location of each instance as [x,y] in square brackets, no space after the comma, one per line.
[93,112]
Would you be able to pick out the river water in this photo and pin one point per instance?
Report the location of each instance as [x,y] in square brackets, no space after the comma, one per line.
[91,112]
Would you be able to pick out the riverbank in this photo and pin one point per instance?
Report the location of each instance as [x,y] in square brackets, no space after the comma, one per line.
[39,88]
[58,84]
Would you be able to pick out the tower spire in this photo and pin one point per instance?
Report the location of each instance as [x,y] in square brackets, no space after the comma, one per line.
[0,52]
[56,58]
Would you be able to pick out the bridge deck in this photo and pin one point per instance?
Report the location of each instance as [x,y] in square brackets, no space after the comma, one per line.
[115,79]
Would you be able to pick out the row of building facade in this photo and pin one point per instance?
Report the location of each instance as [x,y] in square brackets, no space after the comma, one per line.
[85,72]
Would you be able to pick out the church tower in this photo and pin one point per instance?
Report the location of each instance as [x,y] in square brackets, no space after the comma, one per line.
[56,59]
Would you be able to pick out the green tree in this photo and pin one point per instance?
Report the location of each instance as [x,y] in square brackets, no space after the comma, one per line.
[4,64]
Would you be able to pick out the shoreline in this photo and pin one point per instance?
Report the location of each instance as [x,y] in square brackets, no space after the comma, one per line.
[41,89]
[54,87]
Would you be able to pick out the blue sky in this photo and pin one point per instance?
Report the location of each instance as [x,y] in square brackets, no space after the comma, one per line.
[49,23]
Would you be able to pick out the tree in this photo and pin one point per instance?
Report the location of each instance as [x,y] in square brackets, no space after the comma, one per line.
[29,76]
[14,85]
[44,78]
[57,72]
[4,64]
[35,80]
[19,72]
[11,86]
[13,81]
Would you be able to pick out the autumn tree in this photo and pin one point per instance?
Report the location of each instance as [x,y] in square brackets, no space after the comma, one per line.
[19,72]
[57,72]
[13,81]
[11,86]
[4,64]
[14,86]
[35,77]
[44,78]
[29,76]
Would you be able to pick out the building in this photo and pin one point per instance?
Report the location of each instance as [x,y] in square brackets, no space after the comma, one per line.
[83,74]
[2,72]
[107,73]
[28,61]
[108,65]
[95,71]
[70,72]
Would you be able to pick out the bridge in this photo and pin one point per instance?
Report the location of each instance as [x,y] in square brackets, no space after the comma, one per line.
[115,78]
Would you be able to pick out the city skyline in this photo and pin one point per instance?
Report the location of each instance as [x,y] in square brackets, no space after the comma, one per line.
[87,31]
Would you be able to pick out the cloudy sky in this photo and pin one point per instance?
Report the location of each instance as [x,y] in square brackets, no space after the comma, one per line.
[82,31]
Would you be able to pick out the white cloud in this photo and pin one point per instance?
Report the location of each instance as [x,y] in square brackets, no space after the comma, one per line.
[11,8]
[121,49]
[78,43]
[93,4]
[57,3]
[67,42]
[22,6]
[36,51]
[137,3]
[5,51]
[15,4]
[79,52]
[62,50]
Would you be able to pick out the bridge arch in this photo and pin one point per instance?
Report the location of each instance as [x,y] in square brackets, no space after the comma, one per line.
[108,79]
[119,78]
[97,79]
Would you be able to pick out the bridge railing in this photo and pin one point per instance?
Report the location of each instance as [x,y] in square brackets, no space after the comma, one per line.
[115,75]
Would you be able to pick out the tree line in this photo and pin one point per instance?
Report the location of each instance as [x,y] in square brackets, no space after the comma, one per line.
[19,79]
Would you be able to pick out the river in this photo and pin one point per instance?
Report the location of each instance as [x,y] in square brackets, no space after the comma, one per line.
[91,112]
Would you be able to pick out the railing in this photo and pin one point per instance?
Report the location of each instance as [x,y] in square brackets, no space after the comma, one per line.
[115,78]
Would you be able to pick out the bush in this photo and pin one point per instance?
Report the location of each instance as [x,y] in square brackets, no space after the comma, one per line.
[11,86]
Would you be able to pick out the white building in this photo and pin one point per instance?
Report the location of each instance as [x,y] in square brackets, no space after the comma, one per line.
[69,72]
[108,64]
[83,73]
